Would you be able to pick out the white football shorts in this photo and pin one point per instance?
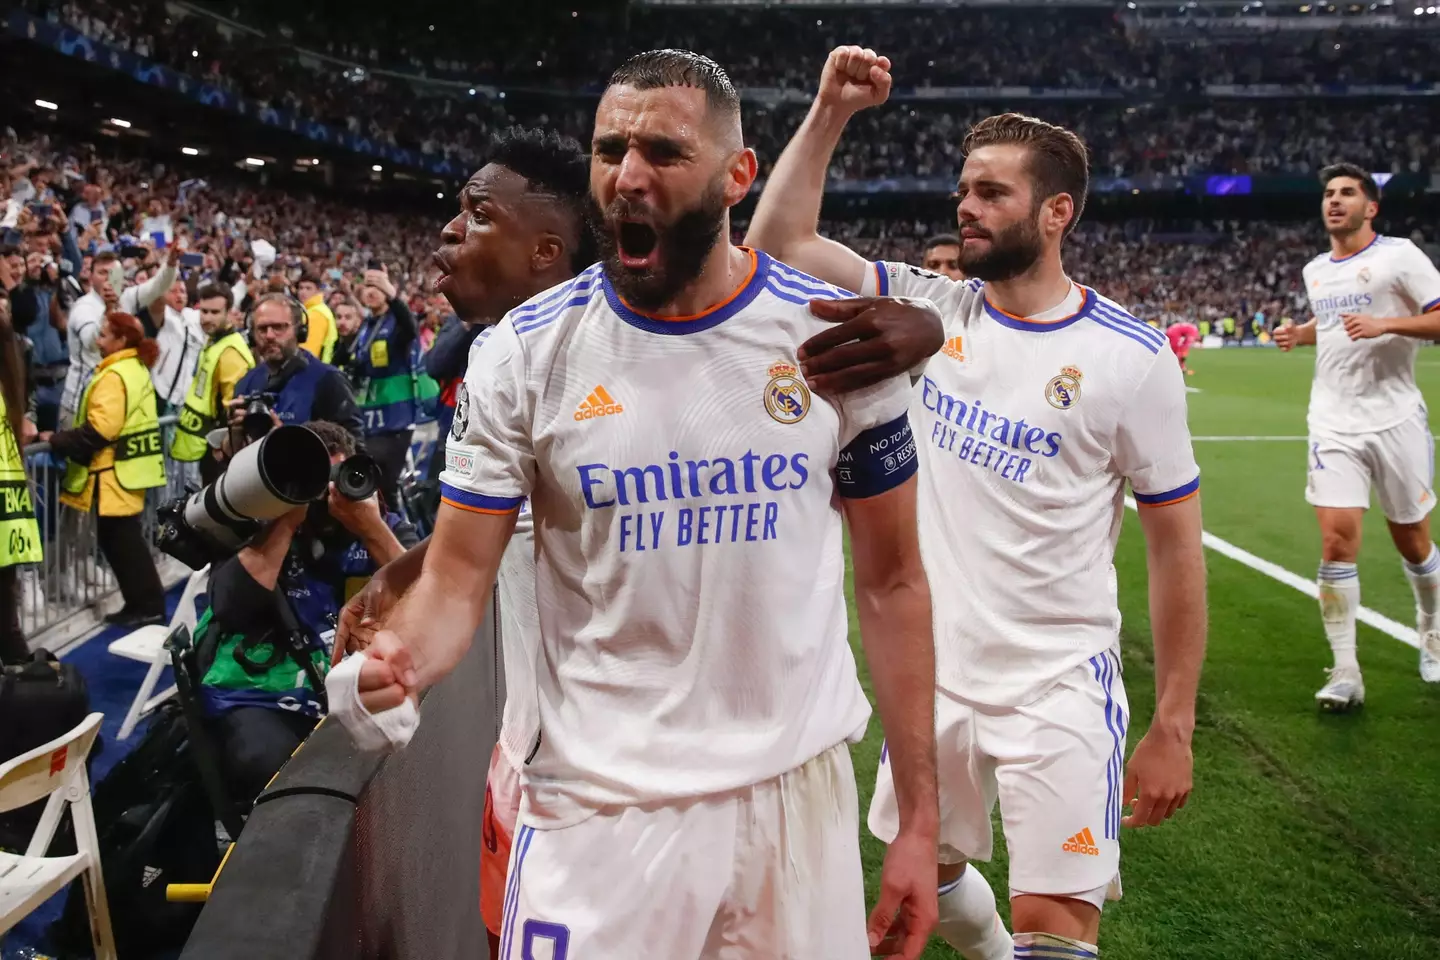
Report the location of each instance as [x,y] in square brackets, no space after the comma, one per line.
[767,871]
[1055,765]
[1399,463]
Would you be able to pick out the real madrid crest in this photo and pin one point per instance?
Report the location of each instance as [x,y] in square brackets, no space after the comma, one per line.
[1063,391]
[1364,275]
[787,399]
[462,413]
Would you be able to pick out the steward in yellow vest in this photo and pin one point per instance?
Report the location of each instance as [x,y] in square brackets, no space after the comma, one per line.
[115,443]
[19,533]
[225,359]
[115,456]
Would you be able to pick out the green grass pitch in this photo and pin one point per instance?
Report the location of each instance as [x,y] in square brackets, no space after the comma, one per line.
[1308,835]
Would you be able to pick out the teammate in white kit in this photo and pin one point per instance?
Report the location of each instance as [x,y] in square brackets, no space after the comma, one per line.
[1046,399]
[1374,299]
[520,230]
[691,793]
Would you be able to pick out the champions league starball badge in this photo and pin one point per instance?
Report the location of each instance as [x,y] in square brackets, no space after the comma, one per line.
[462,413]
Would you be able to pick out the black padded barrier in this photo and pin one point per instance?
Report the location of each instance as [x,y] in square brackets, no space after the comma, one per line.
[352,856]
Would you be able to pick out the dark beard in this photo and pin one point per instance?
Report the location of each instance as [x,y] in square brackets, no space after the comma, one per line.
[683,245]
[1012,251]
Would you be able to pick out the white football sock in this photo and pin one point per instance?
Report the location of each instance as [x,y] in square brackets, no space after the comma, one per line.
[1425,583]
[968,921]
[1339,585]
[1049,946]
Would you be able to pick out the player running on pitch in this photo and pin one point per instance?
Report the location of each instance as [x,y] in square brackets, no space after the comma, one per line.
[1374,298]
[1046,400]
[1182,337]
[691,793]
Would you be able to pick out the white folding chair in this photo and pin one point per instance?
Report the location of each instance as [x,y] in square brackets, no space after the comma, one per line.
[56,770]
[147,645]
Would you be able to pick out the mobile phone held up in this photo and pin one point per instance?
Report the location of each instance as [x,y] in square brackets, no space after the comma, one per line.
[192,259]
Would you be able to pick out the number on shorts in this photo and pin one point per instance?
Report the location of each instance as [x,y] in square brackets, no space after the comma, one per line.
[557,935]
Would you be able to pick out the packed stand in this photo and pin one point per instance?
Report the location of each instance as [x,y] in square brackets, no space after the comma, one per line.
[1161,272]
[116,265]
[1085,48]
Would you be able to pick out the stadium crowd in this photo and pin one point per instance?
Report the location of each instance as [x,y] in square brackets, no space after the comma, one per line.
[1086,48]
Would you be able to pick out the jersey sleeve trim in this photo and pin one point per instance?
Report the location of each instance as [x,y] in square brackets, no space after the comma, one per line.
[1432,305]
[478,502]
[882,281]
[877,460]
[1182,492]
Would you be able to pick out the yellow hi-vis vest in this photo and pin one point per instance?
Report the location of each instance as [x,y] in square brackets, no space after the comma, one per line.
[139,459]
[19,533]
[200,414]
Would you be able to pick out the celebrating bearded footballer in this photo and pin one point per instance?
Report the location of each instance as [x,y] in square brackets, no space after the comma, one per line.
[1046,399]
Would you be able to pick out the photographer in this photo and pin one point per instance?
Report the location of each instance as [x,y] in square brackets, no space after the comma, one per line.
[318,556]
[298,386]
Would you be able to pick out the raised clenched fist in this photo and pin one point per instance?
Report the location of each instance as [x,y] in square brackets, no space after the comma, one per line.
[854,78]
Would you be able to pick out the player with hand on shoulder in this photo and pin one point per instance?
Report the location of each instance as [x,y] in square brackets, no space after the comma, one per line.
[1374,298]
[521,229]
[1046,400]
[691,791]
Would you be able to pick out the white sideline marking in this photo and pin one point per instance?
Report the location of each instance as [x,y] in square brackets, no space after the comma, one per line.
[1223,439]
[1193,390]
[1276,572]
[1219,439]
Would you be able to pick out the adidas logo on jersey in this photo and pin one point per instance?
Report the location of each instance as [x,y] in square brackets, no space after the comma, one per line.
[953,349]
[149,875]
[1082,842]
[598,404]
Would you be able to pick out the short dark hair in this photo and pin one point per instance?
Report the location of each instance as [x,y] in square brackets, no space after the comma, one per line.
[942,240]
[1354,171]
[216,288]
[1059,162]
[679,68]
[557,167]
[335,437]
[10,250]
[309,276]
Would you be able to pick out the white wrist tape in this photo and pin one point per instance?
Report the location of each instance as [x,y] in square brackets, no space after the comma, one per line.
[384,731]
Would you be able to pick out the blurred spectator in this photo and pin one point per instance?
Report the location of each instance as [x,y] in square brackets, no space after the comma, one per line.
[320,334]
[180,338]
[115,456]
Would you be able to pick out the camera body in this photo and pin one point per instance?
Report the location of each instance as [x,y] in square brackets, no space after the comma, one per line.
[259,411]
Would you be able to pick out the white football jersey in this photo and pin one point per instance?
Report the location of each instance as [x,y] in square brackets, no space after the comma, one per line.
[1028,430]
[1364,386]
[689,564]
[518,630]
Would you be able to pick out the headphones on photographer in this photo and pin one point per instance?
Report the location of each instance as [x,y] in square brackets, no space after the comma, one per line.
[298,315]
